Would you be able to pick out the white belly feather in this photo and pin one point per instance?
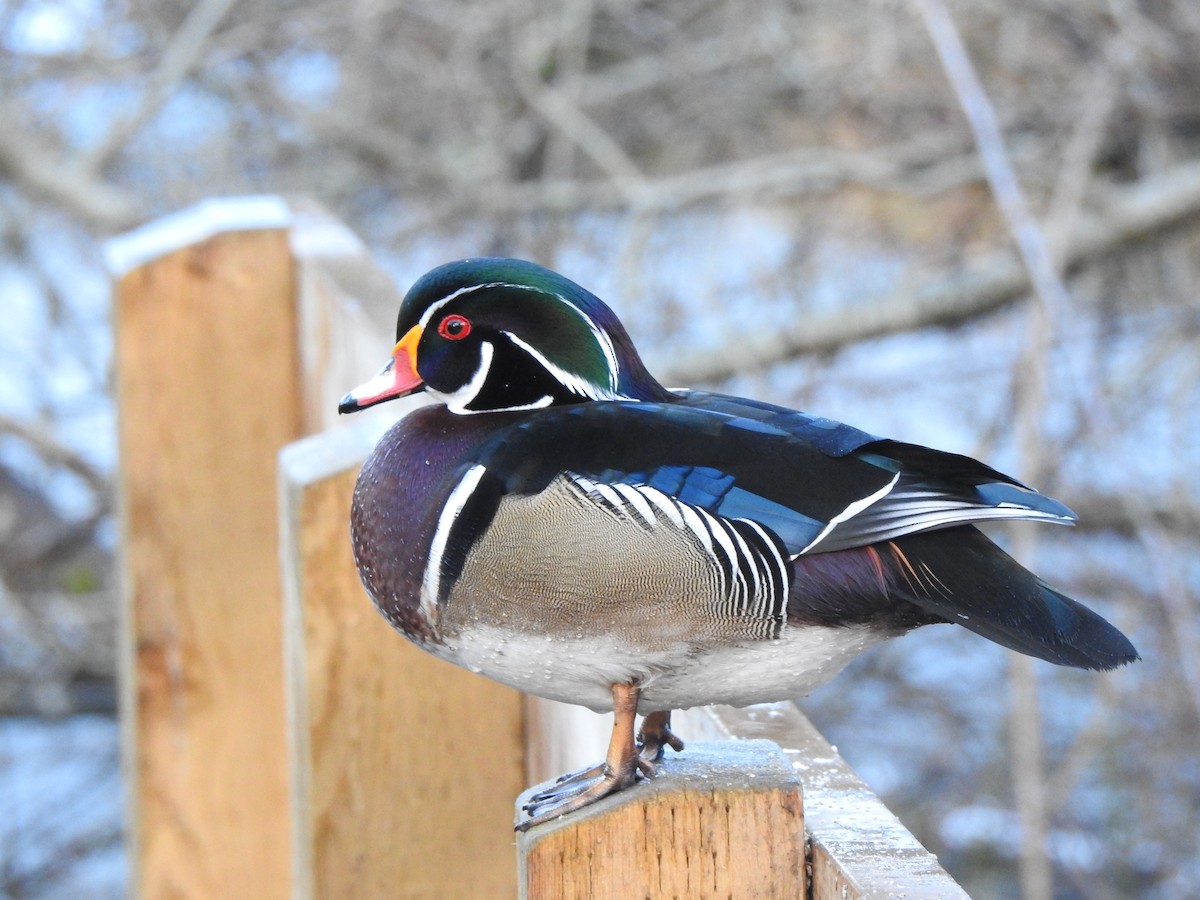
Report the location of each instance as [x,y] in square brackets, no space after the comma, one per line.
[581,670]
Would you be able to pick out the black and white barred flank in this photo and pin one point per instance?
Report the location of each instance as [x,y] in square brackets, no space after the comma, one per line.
[752,564]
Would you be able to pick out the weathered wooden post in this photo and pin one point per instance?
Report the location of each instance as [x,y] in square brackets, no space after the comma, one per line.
[281,739]
[405,767]
[722,819]
[857,848]
[228,347]
[208,390]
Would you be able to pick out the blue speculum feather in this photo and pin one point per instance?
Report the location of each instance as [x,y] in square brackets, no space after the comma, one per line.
[717,492]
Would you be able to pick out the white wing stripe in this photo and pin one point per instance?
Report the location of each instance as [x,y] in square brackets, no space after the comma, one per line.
[850,511]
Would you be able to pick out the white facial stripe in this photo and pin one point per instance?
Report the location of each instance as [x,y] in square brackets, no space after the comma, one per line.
[572,383]
[539,403]
[605,342]
[602,339]
[469,289]
[432,583]
[459,401]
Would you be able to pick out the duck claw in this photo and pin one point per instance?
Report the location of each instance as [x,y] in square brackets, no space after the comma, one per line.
[626,763]
[580,789]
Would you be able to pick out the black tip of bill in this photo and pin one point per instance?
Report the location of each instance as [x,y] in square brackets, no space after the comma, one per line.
[348,405]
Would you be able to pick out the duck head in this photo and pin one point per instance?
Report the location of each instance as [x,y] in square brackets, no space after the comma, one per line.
[493,335]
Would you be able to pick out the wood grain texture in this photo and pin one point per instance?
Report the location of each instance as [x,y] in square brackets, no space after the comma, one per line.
[405,766]
[858,849]
[720,820]
[207,393]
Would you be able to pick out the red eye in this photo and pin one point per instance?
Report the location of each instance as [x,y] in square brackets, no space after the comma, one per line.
[454,328]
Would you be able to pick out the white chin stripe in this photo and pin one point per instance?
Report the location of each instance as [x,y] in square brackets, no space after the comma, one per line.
[457,401]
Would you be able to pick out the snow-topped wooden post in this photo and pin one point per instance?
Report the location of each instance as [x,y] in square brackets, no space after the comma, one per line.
[721,819]
[281,739]
[405,767]
[207,391]
[225,351]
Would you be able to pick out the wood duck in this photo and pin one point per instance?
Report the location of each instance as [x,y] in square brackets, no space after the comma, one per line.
[564,524]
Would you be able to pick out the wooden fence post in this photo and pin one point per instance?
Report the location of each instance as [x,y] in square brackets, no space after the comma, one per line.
[857,848]
[405,766]
[720,820]
[207,389]
[370,769]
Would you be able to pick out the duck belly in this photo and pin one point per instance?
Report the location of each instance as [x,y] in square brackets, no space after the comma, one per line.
[581,670]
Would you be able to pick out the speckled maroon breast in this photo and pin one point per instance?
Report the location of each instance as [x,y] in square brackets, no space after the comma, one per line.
[397,499]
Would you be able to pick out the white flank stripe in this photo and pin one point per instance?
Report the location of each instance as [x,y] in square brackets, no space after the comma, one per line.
[609,494]
[852,510]
[748,555]
[664,504]
[696,525]
[721,533]
[776,556]
[633,497]
[432,583]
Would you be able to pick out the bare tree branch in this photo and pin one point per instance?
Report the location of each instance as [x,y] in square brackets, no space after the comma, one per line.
[573,123]
[1160,203]
[30,163]
[56,454]
[1027,766]
[178,59]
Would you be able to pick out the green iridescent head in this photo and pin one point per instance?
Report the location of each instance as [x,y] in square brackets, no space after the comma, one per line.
[494,334]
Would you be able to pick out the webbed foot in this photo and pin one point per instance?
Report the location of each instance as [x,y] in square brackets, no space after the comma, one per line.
[624,765]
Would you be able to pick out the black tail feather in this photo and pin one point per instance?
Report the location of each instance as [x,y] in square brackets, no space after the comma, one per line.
[960,576]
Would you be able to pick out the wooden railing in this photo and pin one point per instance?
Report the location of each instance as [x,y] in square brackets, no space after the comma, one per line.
[281,740]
